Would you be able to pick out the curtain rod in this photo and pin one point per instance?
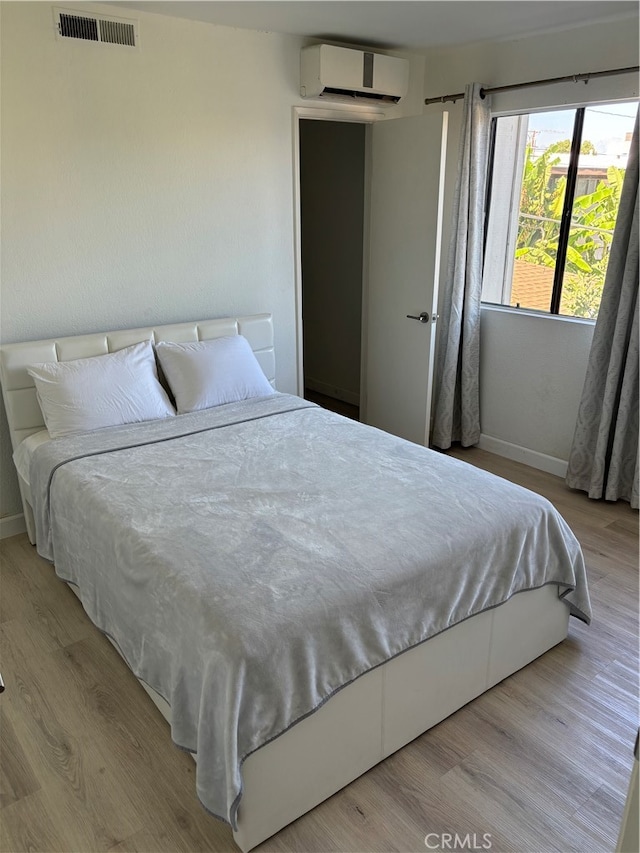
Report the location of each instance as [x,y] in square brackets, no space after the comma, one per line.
[573,78]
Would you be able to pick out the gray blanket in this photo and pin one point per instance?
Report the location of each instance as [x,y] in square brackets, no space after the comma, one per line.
[252,559]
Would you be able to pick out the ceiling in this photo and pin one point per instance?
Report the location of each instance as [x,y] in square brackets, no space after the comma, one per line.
[396,24]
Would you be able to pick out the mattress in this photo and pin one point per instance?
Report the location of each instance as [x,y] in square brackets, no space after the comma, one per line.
[252,560]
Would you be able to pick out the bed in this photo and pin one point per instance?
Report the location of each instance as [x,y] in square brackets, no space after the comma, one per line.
[300,595]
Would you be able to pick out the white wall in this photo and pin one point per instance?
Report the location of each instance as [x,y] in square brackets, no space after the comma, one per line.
[549,354]
[144,186]
[532,367]
[147,186]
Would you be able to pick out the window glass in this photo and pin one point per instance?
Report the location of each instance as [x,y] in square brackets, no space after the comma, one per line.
[606,139]
[532,260]
[542,193]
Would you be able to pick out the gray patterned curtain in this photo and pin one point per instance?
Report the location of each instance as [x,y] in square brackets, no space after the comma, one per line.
[457,369]
[604,454]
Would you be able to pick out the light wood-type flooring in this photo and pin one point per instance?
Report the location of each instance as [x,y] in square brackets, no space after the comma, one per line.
[541,762]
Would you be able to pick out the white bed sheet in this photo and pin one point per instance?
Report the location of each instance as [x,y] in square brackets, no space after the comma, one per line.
[26,449]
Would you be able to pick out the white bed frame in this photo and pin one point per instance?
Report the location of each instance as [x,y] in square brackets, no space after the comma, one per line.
[379,712]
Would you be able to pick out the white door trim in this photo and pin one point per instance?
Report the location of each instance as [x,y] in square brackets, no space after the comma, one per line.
[359,114]
[436,278]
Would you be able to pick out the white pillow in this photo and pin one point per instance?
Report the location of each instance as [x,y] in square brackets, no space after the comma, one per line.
[203,374]
[105,390]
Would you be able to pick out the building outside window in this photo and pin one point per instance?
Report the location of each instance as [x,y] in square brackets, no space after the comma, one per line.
[552,201]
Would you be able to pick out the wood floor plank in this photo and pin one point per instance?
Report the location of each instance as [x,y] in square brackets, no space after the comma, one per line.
[606,542]
[600,644]
[508,785]
[134,741]
[33,594]
[27,826]
[613,603]
[588,734]
[541,762]
[16,600]
[358,808]
[628,522]
[145,841]
[580,700]
[601,815]
[17,777]
[53,747]
[98,817]
[413,787]
[535,764]
[512,815]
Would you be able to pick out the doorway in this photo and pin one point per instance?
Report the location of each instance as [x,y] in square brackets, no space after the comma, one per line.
[403,185]
[332,216]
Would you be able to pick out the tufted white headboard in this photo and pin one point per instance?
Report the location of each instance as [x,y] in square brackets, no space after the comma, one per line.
[19,393]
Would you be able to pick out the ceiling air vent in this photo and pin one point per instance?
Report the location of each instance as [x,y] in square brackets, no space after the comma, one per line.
[95,28]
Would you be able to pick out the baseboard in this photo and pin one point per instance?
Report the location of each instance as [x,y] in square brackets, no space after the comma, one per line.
[533,458]
[332,391]
[11,525]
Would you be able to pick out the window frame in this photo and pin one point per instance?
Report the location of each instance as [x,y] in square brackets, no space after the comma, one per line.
[565,218]
[570,192]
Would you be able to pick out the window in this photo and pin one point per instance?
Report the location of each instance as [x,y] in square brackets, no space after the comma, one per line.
[552,201]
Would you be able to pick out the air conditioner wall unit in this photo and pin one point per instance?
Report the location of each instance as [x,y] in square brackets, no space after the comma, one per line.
[340,72]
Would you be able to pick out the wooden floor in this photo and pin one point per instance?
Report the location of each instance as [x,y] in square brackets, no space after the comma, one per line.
[540,763]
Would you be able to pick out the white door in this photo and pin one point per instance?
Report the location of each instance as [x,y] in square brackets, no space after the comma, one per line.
[406,192]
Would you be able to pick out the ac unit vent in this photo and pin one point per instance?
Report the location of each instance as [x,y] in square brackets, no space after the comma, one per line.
[116,32]
[75,27]
[96,28]
[355,94]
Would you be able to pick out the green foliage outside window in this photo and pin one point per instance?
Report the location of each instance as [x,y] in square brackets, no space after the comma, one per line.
[592,224]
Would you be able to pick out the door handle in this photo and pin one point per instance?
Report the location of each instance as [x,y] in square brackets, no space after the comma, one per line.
[423,317]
